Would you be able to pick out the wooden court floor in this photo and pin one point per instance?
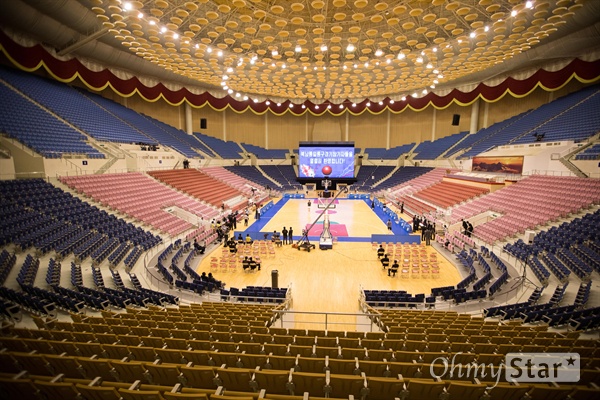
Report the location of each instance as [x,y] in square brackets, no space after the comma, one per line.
[329,280]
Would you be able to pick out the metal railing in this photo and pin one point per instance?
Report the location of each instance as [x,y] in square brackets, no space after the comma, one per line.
[326,316]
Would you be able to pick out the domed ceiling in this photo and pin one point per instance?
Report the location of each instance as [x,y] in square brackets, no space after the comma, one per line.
[325,50]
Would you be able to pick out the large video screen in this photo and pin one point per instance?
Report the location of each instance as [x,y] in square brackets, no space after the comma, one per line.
[331,159]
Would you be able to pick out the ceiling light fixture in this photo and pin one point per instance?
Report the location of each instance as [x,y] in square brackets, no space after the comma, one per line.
[350,47]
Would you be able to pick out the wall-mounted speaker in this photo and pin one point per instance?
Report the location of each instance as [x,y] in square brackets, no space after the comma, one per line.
[203,123]
[455,119]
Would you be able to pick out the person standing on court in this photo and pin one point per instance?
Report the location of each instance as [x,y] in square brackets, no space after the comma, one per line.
[309,204]
[284,233]
[389,224]
[291,235]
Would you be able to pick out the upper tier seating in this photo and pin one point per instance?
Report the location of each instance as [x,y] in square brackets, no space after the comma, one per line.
[579,120]
[480,139]
[530,202]
[428,150]
[285,175]
[40,130]
[35,213]
[142,198]
[447,194]
[223,149]
[72,106]
[202,186]
[264,154]
[157,130]
[394,153]
[590,153]
[552,117]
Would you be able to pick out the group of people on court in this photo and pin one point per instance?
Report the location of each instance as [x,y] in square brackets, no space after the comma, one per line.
[286,236]
[250,264]
[385,261]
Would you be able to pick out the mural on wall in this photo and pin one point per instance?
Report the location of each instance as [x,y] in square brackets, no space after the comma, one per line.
[506,165]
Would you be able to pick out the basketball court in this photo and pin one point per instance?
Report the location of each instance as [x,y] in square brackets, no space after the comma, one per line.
[325,280]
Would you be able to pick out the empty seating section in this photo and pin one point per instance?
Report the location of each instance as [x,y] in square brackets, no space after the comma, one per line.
[428,150]
[262,153]
[447,194]
[192,350]
[142,198]
[202,186]
[498,134]
[528,203]
[577,120]
[35,213]
[40,130]
[402,175]
[590,153]
[550,118]
[257,294]
[231,179]
[223,149]
[285,175]
[394,153]
[411,182]
[157,131]
[363,177]
[252,174]
[71,105]
[369,175]
[480,137]
[393,298]
[561,250]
